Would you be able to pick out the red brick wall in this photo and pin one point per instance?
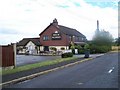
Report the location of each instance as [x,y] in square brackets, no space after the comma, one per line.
[49,32]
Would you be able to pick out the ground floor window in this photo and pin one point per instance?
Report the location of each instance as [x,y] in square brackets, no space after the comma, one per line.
[46,48]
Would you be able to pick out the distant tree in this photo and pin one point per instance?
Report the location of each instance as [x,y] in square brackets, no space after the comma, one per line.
[102,38]
[117,41]
[101,42]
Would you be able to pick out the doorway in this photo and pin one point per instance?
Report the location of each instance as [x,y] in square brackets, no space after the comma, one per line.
[46,48]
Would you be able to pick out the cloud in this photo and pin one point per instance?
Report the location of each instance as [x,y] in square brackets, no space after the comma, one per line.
[111,4]
[8,31]
[27,18]
[63,6]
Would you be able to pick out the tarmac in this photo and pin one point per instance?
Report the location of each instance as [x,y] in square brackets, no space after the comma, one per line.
[30,74]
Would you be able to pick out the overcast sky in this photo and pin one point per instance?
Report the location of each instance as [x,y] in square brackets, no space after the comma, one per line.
[28,18]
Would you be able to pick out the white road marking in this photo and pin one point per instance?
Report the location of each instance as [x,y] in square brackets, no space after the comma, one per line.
[24,81]
[110,71]
[79,83]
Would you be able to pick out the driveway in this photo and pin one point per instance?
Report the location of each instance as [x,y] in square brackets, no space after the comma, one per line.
[30,59]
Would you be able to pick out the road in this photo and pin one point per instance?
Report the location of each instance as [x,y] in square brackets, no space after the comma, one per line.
[30,59]
[100,72]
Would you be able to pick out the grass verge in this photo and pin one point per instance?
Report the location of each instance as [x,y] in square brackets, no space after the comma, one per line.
[36,65]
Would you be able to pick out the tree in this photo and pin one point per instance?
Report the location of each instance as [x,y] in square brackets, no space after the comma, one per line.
[102,38]
[80,49]
[101,42]
[72,46]
[117,41]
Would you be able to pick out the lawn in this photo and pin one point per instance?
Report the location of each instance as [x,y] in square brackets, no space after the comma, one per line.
[35,65]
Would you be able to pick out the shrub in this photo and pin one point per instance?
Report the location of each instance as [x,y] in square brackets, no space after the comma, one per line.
[99,49]
[73,51]
[86,47]
[53,48]
[62,48]
[65,55]
[81,51]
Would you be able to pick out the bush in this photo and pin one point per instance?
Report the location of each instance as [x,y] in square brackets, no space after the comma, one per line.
[99,49]
[62,48]
[73,51]
[65,55]
[81,51]
[53,48]
[86,47]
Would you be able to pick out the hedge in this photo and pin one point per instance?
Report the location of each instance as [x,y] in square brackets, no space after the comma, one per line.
[99,49]
[65,55]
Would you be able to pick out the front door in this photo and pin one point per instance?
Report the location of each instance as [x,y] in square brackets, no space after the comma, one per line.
[46,48]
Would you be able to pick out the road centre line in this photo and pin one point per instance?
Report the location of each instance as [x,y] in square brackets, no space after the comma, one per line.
[110,71]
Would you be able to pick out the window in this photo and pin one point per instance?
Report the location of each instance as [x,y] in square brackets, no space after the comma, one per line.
[46,38]
[82,39]
[79,38]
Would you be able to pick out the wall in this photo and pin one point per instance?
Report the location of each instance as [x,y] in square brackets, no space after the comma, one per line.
[49,32]
[31,48]
[59,47]
[115,48]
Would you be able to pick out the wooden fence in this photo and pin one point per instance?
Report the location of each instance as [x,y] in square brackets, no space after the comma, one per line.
[7,56]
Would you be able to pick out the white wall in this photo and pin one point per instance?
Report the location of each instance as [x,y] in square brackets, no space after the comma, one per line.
[31,48]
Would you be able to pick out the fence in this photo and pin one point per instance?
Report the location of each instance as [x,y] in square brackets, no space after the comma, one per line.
[7,56]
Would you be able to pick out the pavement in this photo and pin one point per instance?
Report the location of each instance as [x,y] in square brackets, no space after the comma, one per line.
[97,73]
[29,74]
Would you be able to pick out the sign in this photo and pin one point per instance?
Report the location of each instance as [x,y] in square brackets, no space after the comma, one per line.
[68,51]
[56,36]
[76,51]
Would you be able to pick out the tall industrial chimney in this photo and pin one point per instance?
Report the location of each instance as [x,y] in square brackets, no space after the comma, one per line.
[97,25]
[97,30]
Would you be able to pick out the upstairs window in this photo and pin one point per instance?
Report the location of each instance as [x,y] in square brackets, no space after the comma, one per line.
[79,38]
[46,38]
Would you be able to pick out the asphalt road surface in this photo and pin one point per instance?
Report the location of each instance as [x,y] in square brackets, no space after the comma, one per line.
[30,59]
[101,72]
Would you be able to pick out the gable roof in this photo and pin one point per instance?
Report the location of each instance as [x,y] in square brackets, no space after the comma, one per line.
[70,31]
[45,29]
[65,30]
[24,41]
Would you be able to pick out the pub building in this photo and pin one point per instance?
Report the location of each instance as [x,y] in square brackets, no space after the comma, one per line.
[60,37]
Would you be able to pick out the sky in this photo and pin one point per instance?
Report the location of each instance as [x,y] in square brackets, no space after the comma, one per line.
[28,18]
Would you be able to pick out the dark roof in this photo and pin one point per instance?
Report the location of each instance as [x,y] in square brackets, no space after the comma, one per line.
[66,30]
[24,41]
[70,31]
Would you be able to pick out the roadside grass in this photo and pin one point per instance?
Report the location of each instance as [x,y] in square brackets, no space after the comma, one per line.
[36,65]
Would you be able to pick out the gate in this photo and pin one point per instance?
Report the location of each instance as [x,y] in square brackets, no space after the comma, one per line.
[8,56]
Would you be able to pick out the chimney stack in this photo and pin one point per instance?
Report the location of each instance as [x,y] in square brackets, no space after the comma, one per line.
[55,22]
